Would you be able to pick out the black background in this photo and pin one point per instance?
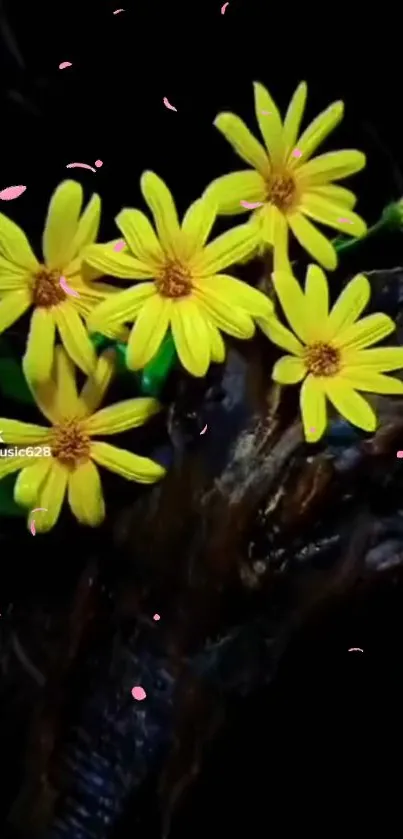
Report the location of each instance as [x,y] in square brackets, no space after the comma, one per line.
[327,740]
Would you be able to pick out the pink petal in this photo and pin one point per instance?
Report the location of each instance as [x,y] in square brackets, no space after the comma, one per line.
[65,64]
[138,693]
[11,192]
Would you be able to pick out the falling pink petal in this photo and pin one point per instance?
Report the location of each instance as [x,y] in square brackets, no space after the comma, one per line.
[65,64]
[168,105]
[251,205]
[66,288]
[98,163]
[204,429]
[80,166]
[138,693]
[347,220]
[297,153]
[399,454]
[32,528]
[355,649]
[223,8]
[156,617]
[119,245]
[267,112]
[312,430]
[116,12]
[11,192]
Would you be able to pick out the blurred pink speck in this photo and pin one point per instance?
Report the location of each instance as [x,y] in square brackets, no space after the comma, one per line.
[297,153]
[312,430]
[11,192]
[119,245]
[98,163]
[138,693]
[399,454]
[116,12]
[65,64]
[156,617]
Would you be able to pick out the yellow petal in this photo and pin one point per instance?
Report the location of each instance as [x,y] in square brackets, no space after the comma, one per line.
[317,298]
[380,359]
[349,305]
[336,194]
[12,306]
[370,381]
[8,465]
[22,433]
[62,224]
[219,310]
[30,481]
[293,119]
[51,496]
[65,385]
[229,190]
[140,237]
[38,358]
[365,332]
[227,249]
[14,246]
[313,241]
[331,166]
[197,224]
[128,465]
[317,131]
[313,409]
[85,495]
[191,336]
[12,277]
[327,212]
[88,226]
[350,404]
[148,332]
[130,413]
[162,206]
[75,337]
[97,384]
[280,335]
[270,124]
[239,294]
[217,345]
[272,229]
[120,265]
[121,307]
[288,370]
[243,142]
[292,299]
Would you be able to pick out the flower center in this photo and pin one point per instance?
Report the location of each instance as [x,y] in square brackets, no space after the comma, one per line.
[322,360]
[282,191]
[46,290]
[69,444]
[174,281]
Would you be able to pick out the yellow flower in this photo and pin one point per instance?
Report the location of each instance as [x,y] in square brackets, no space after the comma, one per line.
[24,282]
[75,419]
[330,351]
[184,289]
[291,188]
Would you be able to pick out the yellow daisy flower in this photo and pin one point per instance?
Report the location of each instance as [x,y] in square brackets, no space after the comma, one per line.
[329,350]
[24,282]
[185,289]
[292,187]
[44,480]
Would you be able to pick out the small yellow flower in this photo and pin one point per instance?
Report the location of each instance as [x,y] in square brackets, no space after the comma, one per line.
[24,282]
[185,289]
[44,481]
[330,351]
[292,187]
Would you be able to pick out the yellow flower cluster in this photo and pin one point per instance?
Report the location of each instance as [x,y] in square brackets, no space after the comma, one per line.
[178,282]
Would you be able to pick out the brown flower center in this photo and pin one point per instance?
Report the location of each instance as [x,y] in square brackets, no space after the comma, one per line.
[175,281]
[46,290]
[322,360]
[69,444]
[281,191]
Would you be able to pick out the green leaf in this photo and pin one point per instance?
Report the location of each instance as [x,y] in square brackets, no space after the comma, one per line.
[8,507]
[12,380]
[158,369]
